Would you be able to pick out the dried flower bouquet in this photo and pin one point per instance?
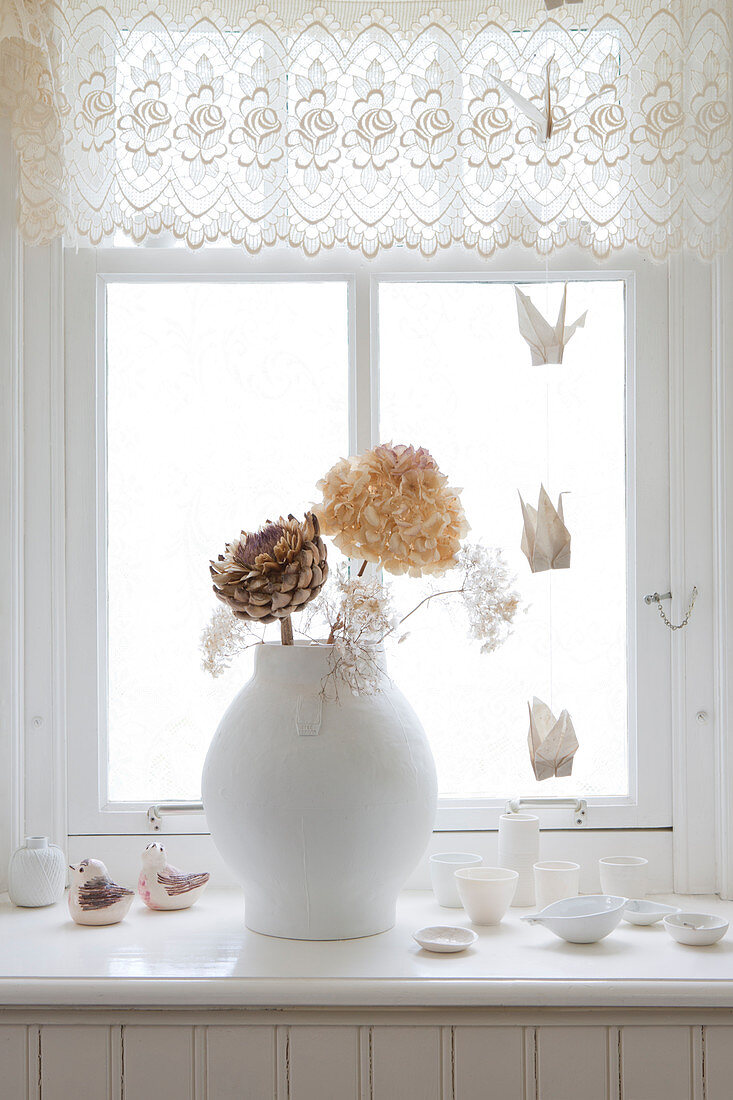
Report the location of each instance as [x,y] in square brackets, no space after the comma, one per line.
[391,508]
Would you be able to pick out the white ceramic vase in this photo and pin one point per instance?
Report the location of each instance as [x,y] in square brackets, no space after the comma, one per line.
[37,873]
[519,850]
[321,808]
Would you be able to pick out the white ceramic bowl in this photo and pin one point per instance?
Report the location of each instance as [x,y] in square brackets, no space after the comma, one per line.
[647,912]
[696,929]
[486,892]
[581,920]
[445,939]
[443,866]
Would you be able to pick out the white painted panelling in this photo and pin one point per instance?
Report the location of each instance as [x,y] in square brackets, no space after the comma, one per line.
[240,1063]
[443,1059]
[718,1063]
[76,1061]
[489,1061]
[568,1055]
[656,1063]
[406,1063]
[14,1062]
[158,1063]
[324,1063]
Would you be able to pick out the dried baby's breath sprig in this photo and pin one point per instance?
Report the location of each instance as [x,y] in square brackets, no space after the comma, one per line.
[486,589]
[359,612]
[488,594]
[223,638]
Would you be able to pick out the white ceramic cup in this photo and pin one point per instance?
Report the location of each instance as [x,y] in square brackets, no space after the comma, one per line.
[625,876]
[486,892]
[555,880]
[443,866]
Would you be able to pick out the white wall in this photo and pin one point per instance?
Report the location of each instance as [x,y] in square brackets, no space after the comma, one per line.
[9,655]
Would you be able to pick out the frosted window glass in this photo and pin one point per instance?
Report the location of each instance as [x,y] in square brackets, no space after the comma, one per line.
[225,404]
[455,377]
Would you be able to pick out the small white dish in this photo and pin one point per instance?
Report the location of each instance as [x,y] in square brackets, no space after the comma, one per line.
[445,939]
[581,920]
[696,929]
[647,912]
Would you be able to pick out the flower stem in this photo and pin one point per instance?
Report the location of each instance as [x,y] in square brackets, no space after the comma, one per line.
[446,592]
[361,569]
[286,631]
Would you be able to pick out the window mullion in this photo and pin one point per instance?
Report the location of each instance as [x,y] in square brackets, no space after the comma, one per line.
[363,354]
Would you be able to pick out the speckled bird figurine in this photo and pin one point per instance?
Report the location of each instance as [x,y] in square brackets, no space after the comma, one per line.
[94,898]
[162,886]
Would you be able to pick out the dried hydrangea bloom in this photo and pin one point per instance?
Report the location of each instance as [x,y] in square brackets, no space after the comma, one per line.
[392,506]
[271,573]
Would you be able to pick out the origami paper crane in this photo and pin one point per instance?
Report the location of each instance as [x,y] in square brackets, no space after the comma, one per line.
[552,4]
[545,538]
[546,342]
[552,742]
[546,119]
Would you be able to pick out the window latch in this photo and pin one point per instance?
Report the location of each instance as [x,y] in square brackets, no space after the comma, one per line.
[578,806]
[156,812]
[656,597]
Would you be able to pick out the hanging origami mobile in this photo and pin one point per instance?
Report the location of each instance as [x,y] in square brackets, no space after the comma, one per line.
[552,4]
[545,538]
[546,342]
[552,742]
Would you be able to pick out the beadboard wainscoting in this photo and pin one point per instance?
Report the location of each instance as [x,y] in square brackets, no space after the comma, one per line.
[431,1055]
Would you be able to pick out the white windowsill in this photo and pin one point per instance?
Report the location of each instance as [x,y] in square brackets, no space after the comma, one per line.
[205,956]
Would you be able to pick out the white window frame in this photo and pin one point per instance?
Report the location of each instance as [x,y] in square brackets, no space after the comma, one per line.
[692,323]
[89,273]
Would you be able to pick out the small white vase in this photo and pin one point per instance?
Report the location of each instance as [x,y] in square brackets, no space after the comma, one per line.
[320,807]
[37,873]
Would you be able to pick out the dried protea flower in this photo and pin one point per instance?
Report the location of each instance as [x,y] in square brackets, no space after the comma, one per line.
[271,573]
[394,507]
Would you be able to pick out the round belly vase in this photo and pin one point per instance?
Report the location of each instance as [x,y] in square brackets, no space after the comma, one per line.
[321,807]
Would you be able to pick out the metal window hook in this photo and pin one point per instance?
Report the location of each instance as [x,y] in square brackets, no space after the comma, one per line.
[655,597]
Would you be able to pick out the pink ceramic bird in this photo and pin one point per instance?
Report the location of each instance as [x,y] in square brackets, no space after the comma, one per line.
[94,898]
[162,886]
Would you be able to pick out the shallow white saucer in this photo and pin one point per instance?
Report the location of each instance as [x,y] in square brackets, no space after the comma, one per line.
[445,938]
[647,912]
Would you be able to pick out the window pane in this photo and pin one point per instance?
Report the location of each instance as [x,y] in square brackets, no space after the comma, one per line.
[225,404]
[455,377]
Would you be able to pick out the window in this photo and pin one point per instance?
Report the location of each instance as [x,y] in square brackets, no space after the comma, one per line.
[455,371]
[218,415]
[224,393]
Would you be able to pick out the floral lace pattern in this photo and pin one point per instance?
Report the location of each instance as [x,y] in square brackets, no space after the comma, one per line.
[372,126]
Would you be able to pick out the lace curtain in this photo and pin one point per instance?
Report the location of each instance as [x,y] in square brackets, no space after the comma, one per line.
[373,125]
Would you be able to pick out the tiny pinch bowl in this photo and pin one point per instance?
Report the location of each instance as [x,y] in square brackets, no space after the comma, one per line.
[642,912]
[696,929]
[581,920]
[444,939]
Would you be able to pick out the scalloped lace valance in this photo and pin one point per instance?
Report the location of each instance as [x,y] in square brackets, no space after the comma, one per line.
[372,125]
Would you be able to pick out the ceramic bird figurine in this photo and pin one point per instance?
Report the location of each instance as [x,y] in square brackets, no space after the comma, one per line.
[94,898]
[162,886]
